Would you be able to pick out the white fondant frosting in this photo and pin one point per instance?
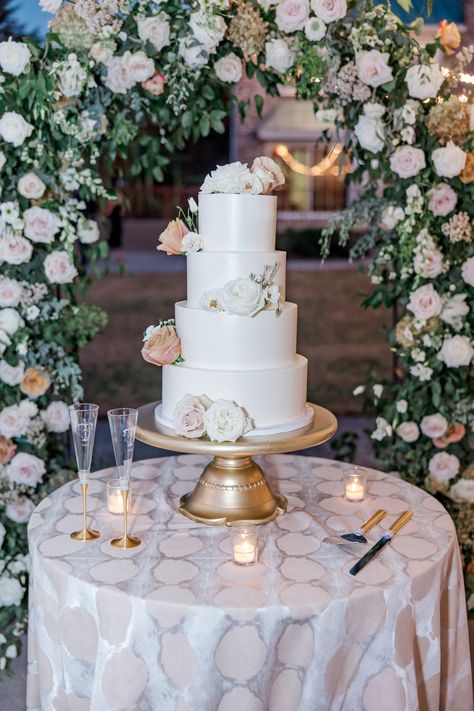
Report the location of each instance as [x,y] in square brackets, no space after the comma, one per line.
[227,342]
[271,397]
[237,223]
[210,270]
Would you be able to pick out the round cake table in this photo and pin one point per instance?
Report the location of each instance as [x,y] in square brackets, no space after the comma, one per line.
[174,625]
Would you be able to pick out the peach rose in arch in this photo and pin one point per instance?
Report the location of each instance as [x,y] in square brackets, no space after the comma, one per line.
[449,36]
[453,434]
[36,382]
[156,84]
[7,449]
[172,237]
[163,346]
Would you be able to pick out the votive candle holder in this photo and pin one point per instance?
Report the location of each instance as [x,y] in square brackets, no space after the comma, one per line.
[115,498]
[355,484]
[244,544]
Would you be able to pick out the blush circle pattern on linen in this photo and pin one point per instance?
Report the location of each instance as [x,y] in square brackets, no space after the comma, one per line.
[174,625]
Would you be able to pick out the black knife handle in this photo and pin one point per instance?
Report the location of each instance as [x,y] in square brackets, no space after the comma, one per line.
[370,554]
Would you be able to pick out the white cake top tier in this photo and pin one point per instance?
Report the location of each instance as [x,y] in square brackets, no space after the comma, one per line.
[237,223]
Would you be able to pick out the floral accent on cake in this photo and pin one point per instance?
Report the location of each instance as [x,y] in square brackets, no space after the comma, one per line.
[222,420]
[238,179]
[181,235]
[162,345]
[246,297]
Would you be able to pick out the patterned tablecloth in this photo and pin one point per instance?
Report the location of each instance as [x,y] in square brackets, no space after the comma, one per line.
[174,625]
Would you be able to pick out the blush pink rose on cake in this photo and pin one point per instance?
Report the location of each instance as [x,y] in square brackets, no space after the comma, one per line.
[188,416]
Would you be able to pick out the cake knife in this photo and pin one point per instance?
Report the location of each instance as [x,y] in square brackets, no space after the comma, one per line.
[401,521]
[356,536]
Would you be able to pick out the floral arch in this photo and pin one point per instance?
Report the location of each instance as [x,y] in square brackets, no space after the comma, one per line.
[106,68]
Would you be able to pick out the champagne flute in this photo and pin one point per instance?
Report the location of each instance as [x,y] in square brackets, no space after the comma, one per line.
[83,416]
[123,425]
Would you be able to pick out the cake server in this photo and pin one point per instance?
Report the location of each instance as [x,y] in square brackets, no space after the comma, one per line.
[386,538]
[356,536]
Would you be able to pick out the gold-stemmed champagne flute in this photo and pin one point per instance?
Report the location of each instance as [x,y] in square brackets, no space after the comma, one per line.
[83,416]
[123,425]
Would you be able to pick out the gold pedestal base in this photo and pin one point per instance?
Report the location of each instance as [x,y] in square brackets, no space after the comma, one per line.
[231,490]
[85,535]
[125,542]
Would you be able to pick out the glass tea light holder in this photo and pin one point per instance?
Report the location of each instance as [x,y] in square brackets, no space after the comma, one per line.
[244,544]
[115,498]
[355,484]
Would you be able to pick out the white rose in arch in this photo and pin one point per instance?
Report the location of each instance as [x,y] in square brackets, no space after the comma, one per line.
[229,68]
[26,469]
[10,321]
[456,352]
[11,292]
[391,216]
[407,161]
[14,57]
[442,200]
[424,81]
[155,30]
[425,302]
[100,53]
[118,79]
[428,263]
[291,15]
[444,466]
[13,422]
[11,374]
[408,431]
[88,231]
[139,66]
[56,416]
[434,426]
[20,509]
[194,53]
[329,10]
[315,29]
[278,55]
[372,67]
[467,271]
[243,297]
[208,29]
[225,421]
[370,133]
[41,225]
[454,309]
[11,592]
[3,160]
[30,186]
[449,160]
[463,490]
[15,250]
[59,268]
[72,77]
[192,242]
[14,129]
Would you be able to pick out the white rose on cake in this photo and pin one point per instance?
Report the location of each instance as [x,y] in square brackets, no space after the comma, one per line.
[26,469]
[88,231]
[11,592]
[372,67]
[278,55]
[424,81]
[291,15]
[155,30]
[59,268]
[225,421]
[229,68]
[225,178]
[193,52]
[188,416]
[30,186]
[449,160]
[11,292]
[467,271]
[268,172]
[425,302]
[12,374]
[243,297]
[56,416]
[41,225]
[192,242]
[10,321]
[329,10]
[208,29]
[407,161]
[434,426]
[14,129]
[15,250]
[408,431]
[456,352]
[13,422]
[14,57]
[212,300]
[249,184]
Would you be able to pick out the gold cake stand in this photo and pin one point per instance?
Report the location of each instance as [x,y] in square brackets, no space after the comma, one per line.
[232,488]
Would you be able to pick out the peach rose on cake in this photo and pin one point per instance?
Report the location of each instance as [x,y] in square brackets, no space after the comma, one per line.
[36,382]
[453,434]
[172,237]
[188,416]
[162,345]
[7,449]
[449,36]
[269,173]
[156,84]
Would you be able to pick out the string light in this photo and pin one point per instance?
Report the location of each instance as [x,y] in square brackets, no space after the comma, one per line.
[312,170]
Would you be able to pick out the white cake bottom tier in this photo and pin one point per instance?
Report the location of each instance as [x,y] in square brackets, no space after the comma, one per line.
[270,397]
[211,339]
[211,270]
